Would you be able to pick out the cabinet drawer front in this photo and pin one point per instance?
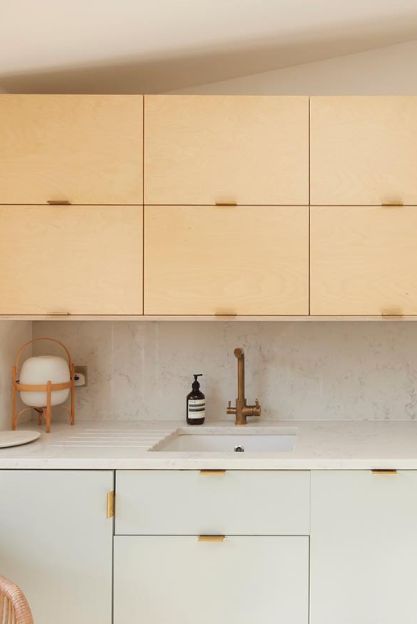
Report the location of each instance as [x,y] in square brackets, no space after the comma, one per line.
[171,502]
[209,149]
[86,149]
[206,260]
[183,581]
[363,260]
[363,150]
[71,259]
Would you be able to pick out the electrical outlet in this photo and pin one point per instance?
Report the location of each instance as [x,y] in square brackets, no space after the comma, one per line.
[81,376]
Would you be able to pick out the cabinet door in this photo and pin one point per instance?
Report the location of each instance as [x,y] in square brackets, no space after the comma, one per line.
[70,260]
[363,547]
[209,149]
[363,260]
[180,580]
[226,260]
[86,149]
[363,150]
[56,543]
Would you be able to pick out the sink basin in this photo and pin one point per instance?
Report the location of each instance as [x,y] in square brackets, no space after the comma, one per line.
[228,441]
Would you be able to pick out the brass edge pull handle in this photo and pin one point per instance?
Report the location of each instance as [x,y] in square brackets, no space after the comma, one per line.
[394,311]
[58,202]
[110,506]
[382,471]
[59,313]
[211,538]
[225,312]
[392,203]
[212,473]
[226,203]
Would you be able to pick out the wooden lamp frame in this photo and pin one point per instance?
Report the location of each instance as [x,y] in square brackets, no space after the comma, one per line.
[44,413]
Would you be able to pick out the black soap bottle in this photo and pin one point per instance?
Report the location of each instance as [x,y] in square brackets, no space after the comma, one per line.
[196,404]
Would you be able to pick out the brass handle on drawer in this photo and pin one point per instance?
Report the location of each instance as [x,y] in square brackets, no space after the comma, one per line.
[225,312]
[392,203]
[59,202]
[394,311]
[211,538]
[382,471]
[226,203]
[212,473]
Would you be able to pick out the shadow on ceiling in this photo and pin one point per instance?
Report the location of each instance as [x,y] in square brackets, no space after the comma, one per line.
[199,67]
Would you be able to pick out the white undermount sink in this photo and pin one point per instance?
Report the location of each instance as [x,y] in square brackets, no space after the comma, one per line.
[228,440]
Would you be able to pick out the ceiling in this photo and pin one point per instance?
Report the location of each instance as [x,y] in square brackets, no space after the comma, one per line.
[161,45]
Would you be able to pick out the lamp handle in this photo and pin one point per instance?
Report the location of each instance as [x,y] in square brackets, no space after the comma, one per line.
[58,342]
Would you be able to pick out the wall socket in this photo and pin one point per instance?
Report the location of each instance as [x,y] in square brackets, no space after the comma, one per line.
[81,376]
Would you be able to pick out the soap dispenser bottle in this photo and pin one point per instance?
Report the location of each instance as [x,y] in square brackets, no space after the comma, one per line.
[196,404]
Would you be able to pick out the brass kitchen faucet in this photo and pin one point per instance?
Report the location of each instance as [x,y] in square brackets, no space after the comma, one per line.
[242,410]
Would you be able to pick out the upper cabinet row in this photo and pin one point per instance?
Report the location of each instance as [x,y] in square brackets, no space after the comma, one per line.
[207,150]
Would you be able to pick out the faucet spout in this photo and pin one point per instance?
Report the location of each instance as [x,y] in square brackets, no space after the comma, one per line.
[240,375]
[242,410]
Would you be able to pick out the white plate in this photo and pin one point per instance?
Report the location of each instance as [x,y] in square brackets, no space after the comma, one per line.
[16,438]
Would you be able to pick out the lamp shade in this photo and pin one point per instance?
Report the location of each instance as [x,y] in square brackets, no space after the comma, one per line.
[39,370]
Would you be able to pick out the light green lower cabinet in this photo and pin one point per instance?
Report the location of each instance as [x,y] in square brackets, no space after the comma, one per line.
[181,580]
[363,547]
[56,542]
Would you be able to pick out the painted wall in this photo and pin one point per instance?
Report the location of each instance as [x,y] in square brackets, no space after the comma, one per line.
[383,71]
[12,335]
[298,370]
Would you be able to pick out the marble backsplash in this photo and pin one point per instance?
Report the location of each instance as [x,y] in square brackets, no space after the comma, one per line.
[298,370]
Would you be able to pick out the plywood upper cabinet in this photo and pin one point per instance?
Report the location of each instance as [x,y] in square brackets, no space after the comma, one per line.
[226,260]
[363,260]
[71,259]
[207,149]
[86,149]
[363,150]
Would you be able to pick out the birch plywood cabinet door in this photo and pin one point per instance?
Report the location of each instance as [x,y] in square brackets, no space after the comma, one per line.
[363,150]
[85,149]
[71,260]
[363,260]
[208,260]
[208,149]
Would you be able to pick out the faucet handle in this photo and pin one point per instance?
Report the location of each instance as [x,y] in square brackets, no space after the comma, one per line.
[230,409]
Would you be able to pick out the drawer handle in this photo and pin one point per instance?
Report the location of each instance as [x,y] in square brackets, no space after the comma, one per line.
[394,311]
[226,203]
[211,538]
[392,203]
[225,312]
[59,202]
[382,471]
[212,473]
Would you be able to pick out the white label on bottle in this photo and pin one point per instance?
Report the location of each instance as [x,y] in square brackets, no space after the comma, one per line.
[196,408]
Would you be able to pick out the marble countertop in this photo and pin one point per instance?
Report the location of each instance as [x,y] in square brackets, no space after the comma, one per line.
[319,445]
